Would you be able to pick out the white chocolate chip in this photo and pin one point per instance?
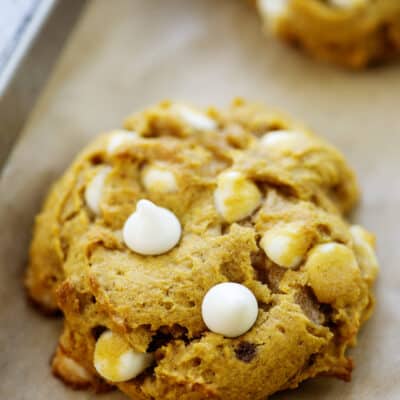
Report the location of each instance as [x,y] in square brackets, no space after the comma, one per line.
[330,248]
[365,252]
[333,273]
[236,197]
[94,190]
[116,361]
[286,245]
[195,118]
[229,309]
[120,137]
[151,230]
[73,368]
[273,8]
[65,366]
[158,179]
[347,3]
[278,143]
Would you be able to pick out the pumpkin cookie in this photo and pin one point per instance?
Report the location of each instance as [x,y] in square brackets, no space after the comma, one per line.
[353,33]
[203,255]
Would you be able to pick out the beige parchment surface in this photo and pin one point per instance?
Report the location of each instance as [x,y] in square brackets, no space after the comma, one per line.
[125,55]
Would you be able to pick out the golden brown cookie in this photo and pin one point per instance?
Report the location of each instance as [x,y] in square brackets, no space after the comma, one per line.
[203,255]
[352,33]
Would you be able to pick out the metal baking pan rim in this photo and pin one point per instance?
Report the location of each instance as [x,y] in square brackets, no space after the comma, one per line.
[25,41]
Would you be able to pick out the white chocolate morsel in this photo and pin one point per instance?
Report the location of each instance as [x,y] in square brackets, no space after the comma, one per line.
[236,197]
[157,178]
[72,368]
[120,137]
[286,244]
[347,3]
[94,190]
[283,141]
[151,230]
[195,118]
[229,309]
[333,273]
[116,361]
[364,247]
[273,8]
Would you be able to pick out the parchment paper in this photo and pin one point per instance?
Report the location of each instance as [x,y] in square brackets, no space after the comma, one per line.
[125,55]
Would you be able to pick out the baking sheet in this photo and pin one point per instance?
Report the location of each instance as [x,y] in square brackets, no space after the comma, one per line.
[34,53]
[127,54]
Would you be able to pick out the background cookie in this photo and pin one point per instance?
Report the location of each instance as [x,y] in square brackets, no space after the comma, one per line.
[255,200]
[353,33]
